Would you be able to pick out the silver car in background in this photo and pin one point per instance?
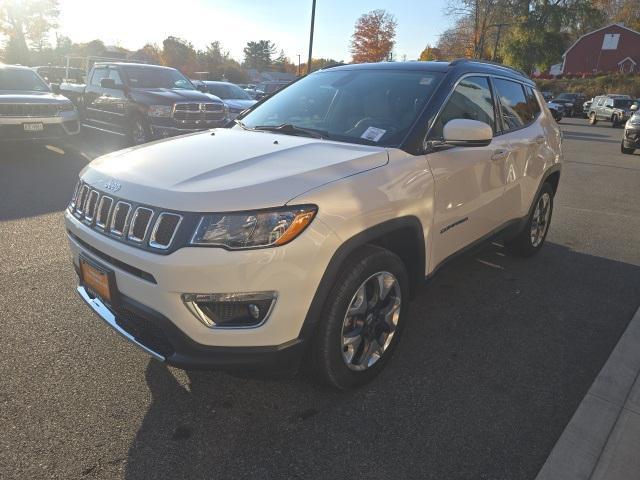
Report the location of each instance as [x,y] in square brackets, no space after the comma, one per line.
[234,97]
[29,110]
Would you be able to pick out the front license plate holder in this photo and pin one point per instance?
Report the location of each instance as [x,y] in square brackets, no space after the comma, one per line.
[99,280]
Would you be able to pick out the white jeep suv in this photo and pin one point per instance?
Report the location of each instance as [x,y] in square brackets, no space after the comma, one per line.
[304,230]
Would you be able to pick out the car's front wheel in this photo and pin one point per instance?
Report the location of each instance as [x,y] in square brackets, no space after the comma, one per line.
[592,118]
[138,131]
[530,240]
[362,319]
[625,150]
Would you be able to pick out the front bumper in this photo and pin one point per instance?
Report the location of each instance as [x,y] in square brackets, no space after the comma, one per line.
[167,127]
[65,125]
[161,339]
[152,285]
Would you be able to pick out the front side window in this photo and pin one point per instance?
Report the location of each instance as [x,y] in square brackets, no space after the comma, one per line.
[24,80]
[513,104]
[360,106]
[154,77]
[471,100]
[98,75]
[600,102]
[115,76]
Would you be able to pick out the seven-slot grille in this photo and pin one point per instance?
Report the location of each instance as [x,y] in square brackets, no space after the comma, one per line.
[198,113]
[28,110]
[118,218]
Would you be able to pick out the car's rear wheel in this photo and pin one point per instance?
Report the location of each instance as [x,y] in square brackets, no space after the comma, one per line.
[592,118]
[530,240]
[625,150]
[362,319]
[615,122]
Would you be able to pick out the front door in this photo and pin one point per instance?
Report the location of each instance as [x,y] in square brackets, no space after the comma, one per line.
[469,181]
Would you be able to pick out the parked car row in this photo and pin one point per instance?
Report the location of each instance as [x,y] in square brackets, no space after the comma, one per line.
[136,102]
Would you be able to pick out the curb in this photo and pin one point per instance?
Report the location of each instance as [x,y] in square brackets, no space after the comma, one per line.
[592,432]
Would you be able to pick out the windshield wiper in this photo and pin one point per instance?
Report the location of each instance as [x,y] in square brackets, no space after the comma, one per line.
[289,129]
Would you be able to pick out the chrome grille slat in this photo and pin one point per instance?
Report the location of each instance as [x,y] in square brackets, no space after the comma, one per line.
[140,222]
[104,208]
[28,110]
[164,230]
[120,217]
[90,206]
[82,198]
[197,113]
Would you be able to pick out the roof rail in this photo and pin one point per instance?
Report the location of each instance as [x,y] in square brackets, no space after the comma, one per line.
[488,62]
[332,65]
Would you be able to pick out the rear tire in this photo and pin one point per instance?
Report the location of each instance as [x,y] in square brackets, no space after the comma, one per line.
[532,237]
[625,150]
[615,122]
[592,118]
[359,331]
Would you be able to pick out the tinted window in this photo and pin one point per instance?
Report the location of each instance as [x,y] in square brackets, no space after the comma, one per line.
[227,91]
[515,110]
[114,75]
[360,106]
[154,77]
[622,103]
[19,79]
[472,100]
[532,101]
[99,74]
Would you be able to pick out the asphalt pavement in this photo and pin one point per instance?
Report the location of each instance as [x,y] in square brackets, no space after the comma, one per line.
[498,353]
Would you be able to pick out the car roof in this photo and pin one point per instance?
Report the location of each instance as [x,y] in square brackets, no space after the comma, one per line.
[461,66]
[129,64]
[215,82]
[14,67]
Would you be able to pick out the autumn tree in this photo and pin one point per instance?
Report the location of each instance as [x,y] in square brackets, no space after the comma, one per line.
[24,23]
[259,54]
[150,53]
[180,54]
[429,54]
[374,37]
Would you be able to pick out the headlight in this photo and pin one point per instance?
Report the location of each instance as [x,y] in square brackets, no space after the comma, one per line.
[66,107]
[265,228]
[159,111]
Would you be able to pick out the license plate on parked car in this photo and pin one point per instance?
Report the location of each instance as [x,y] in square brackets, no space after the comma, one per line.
[96,279]
[33,127]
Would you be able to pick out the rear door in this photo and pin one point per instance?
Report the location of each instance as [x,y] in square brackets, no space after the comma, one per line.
[469,181]
[526,139]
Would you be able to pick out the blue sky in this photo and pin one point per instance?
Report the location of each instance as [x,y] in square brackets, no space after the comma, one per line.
[131,23]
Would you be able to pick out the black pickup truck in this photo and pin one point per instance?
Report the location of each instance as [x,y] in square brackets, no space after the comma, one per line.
[143,102]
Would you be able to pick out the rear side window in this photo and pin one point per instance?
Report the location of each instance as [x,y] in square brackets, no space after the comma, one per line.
[471,100]
[513,104]
[532,101]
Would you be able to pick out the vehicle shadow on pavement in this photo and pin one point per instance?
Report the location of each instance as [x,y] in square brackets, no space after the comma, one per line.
[497,354]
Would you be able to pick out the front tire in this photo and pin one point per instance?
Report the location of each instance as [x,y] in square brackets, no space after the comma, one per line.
[362,319]
[625,150]
[592,118]
[139,131]
[530,240]
[615,122]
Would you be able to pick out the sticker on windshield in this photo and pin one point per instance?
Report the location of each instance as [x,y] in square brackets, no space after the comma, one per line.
[374,134]
[426,80]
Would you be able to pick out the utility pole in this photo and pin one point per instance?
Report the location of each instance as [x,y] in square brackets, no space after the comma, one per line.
[313,20]
[298,64]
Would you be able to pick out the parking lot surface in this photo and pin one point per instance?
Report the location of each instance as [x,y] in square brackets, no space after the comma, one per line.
[498,353]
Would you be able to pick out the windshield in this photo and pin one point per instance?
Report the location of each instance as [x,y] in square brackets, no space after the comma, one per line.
[622,103]
[227,91]
[24,80]
[153,77]
[359,106]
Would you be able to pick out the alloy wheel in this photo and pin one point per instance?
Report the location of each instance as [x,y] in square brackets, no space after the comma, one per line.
[540,220]
[371,321]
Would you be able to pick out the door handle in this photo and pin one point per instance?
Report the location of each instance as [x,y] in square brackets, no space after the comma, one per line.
[499,154]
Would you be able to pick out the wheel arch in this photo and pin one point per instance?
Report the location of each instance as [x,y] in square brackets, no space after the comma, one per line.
[403,236]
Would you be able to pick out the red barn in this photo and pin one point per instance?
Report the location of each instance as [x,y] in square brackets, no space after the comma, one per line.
[608,49]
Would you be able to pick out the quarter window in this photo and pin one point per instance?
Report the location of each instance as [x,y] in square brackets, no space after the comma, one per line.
[471,100]
[532,101]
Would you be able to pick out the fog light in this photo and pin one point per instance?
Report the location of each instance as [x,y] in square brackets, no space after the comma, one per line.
[230,310]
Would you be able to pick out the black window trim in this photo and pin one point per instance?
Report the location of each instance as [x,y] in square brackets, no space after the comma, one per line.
[497,100]
[427,137]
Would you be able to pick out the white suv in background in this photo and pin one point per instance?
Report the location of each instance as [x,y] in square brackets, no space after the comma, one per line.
[304,230]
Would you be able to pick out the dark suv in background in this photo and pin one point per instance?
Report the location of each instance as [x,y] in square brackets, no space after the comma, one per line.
[144,102]
[572,103]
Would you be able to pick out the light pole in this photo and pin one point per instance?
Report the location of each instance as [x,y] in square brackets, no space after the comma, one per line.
[313,20]
[298,64]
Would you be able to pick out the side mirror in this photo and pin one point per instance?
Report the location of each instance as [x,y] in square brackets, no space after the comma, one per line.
[202,87]
[461,132]
[634,107]
[108,83]
[55,88]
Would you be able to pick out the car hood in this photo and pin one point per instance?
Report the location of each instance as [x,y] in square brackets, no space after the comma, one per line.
[228,169]
[167,96]
[237,103]
[17,96]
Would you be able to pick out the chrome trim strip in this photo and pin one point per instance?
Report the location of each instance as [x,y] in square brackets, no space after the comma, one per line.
[99,224]
[189,300]
[119,233]
[132,225]
[152,240]
[85,125]
[82,199]
[109,318]
[90,216]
